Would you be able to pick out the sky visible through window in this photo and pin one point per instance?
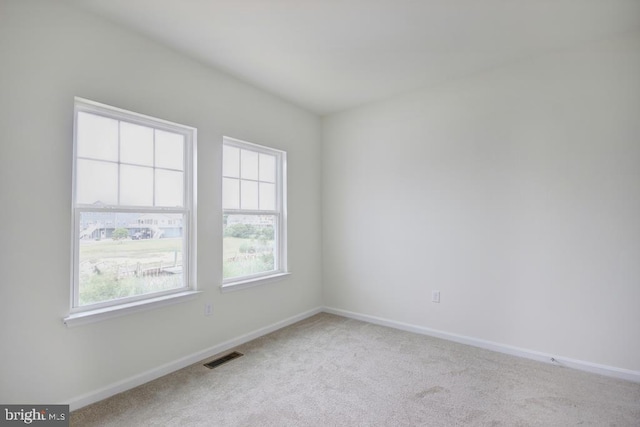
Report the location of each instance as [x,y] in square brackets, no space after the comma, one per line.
[122,163]
[130,200]
[251,212]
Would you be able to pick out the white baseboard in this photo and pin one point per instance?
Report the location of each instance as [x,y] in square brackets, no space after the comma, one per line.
[152,374]
[609,371]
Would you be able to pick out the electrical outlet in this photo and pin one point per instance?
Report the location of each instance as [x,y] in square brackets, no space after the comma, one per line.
[435,296]
[208,309]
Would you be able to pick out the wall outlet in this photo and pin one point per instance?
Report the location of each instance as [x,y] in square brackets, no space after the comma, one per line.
[435,296]
[208,309]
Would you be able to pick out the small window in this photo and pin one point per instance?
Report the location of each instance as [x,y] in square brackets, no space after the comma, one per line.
[254,212]
[133,207]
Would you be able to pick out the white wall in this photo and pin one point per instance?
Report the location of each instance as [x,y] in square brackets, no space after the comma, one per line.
[516,193]
[49,53]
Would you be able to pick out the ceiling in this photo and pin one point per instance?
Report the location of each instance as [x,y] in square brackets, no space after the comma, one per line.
[331,55]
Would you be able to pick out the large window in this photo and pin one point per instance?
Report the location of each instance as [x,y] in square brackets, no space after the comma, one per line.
[133,207]
[254,212]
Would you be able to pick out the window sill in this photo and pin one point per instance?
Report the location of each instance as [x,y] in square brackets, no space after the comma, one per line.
[249,283]
[100,314]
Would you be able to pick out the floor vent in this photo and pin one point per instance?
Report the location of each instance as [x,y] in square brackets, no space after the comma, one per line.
[224,359]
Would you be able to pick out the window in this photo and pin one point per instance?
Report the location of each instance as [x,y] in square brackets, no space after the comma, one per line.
[254,212]
[133,208]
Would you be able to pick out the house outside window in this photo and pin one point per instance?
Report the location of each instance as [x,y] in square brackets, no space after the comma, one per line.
[254,213]
[133,207]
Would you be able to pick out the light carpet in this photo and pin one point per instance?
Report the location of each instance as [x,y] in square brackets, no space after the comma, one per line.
[332,371]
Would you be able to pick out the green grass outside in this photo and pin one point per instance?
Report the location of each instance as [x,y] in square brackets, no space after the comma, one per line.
[258,263]
[107,268]
[135,249]
[102,263]
[231,246]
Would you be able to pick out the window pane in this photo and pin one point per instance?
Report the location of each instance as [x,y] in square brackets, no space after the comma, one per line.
[267,196]
[136,186]
[136,144]
[248,245]
[169,188]
[169,150]
[96,182]
[230,161]
[230,193]
[248,195]
[249,164]
[121,255]
[97,137]
[267,168]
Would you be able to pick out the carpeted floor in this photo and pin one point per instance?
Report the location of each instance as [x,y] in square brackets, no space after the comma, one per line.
[332,371]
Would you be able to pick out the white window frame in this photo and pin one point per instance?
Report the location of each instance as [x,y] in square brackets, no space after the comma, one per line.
[98,311]
[280,213]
